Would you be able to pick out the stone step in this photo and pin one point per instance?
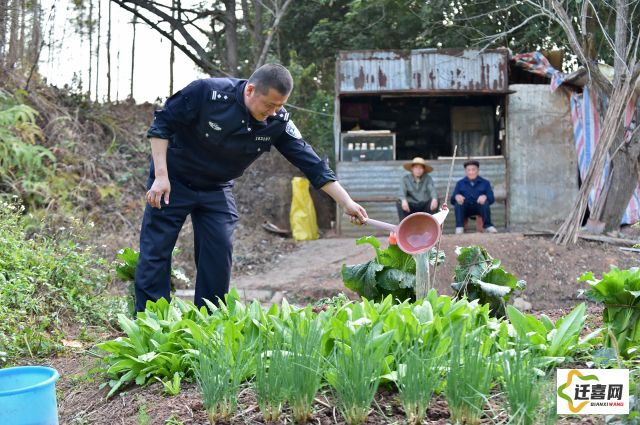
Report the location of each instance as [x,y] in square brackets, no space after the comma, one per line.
[264,296]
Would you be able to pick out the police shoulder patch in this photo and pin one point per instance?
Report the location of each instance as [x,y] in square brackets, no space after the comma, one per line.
[292,130]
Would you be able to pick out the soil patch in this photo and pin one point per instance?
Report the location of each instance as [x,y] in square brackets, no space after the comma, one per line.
[312,271]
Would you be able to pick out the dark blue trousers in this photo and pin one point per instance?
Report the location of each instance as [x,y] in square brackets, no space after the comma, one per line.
[469,209]
[214,217]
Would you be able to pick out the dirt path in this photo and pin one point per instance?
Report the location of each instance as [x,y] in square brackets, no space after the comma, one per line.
[312,269]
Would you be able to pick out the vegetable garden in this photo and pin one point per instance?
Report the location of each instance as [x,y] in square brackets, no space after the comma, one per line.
[489,361]
[386,358]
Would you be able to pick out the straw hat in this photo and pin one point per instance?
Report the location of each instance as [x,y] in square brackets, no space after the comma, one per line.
[418,161]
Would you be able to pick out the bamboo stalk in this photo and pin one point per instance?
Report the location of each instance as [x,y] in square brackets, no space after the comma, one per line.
[446,198]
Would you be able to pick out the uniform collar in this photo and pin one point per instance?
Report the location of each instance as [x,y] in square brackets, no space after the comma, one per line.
[240,99]
[240,94]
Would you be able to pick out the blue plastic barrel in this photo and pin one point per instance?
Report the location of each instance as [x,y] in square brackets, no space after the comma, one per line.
[28,396]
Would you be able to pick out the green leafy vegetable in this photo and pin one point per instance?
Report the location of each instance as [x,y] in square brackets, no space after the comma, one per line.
[357,365]
[554,343]
[470,373]
[305,366]
[172,387]
[619,290]
[522,384]
[478,276]
[419,375]
[126,264]
[220,369]
[167,339]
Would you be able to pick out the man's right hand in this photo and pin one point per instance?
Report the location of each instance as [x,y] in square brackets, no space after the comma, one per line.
[160,187]
[459,199]
[405,206]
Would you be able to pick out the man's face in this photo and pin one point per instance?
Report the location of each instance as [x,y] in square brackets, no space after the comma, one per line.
[471,171]
[417,170]
[261,106]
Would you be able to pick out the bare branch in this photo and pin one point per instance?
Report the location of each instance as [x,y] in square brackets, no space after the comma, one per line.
[493,38]
[486,14]
[558,14]
[619,44]
[583,18]
[200,55]
[274,27]
[266,7]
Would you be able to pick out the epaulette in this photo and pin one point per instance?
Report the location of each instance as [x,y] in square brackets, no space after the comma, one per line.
[283,115]
[221,96]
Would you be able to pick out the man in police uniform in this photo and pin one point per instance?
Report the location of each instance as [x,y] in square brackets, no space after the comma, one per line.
[205,136]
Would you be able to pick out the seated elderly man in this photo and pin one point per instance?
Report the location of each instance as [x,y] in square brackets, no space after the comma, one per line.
[473,196]
[417,192]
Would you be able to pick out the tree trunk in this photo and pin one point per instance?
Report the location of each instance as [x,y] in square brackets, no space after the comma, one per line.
[98,48]
[252,17]
[36,32]
[36,43]
[12,56]
[622,183]
[23,30]
[118,76]
[90,28]
[620,54]
[231,36]
[172,52]
[50,48]
[109,56]
[133,55]
[623,176]
[4,15]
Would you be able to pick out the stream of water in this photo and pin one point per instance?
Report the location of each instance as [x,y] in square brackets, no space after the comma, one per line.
[422,274]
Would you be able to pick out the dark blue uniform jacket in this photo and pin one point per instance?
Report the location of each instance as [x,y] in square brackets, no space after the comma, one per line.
[471,190]
[213,138]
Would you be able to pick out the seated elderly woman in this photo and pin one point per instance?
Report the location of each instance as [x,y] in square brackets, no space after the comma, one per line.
[417,192]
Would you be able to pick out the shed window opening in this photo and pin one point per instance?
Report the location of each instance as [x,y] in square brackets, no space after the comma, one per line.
[387,127]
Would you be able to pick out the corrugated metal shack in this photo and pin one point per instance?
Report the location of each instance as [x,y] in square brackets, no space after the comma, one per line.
[394,105]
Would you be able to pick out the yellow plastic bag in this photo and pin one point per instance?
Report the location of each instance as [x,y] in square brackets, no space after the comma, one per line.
[304,226]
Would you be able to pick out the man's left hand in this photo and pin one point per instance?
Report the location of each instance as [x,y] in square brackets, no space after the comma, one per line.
[482,199]
[357,214]
[434,204]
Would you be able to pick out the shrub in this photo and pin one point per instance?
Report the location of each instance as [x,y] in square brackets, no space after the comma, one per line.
[25,166]
[46,281]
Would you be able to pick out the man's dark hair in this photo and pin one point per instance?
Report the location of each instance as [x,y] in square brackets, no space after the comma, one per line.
[471,162]
[272,76]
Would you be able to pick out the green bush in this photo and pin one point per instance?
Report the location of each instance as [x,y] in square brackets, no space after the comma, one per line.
[46,282]
[315,120]
[25,167]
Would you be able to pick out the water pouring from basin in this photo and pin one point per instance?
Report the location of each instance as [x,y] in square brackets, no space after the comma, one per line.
[417,233]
